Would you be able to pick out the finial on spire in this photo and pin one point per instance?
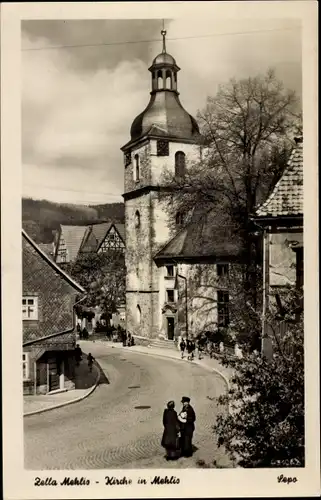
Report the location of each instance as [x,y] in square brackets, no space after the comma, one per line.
[163,33]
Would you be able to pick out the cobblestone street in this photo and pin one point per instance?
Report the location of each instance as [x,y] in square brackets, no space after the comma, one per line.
[120,424]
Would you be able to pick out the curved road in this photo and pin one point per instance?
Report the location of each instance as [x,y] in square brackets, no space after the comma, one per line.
[107,430]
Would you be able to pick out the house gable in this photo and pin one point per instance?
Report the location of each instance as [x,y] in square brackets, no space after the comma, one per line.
[54,293]
[112,241]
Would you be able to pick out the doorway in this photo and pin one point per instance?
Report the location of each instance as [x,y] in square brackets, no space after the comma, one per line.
[170,328]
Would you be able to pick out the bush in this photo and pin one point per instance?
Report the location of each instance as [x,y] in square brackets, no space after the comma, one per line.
[265,424]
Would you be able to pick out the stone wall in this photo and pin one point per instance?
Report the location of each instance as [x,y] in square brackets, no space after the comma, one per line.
[144,280]
[131,182]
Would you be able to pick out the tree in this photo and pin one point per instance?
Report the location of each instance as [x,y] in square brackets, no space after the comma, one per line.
[248,129]
[265,423]
[103,277]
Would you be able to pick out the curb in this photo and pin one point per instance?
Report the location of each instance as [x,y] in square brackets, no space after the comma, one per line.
[66,403]
[208,368]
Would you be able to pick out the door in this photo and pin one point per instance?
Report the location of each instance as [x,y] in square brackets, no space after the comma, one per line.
[170,328]
[53,375]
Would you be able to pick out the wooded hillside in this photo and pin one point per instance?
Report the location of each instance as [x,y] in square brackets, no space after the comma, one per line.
[41,217]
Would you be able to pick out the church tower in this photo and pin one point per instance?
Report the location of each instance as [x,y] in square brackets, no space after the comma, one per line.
[163,137]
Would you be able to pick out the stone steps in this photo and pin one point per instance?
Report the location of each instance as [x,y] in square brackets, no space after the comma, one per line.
[163,344]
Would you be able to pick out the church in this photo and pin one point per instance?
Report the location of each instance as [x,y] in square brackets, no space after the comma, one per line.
[161,266]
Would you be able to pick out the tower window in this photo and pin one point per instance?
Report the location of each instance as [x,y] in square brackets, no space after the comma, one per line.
[162,148]
[222,270]
[168,81]
[137,219]
[170,271]
[137,168]
[179,218]
[223,308]
[170,296]
[180,164]
[160,83]
[128,159]
[139,314]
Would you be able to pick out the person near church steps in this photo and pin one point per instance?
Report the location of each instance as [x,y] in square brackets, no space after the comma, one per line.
[182,346]
[187,419]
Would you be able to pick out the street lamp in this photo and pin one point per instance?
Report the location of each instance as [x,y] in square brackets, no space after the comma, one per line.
[186,308]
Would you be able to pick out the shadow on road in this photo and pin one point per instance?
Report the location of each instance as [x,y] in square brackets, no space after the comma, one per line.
[84,378]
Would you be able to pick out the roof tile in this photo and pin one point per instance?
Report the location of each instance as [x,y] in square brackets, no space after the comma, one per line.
[287,196]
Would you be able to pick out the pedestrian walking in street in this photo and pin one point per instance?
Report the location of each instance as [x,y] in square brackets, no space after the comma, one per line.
[90,360]
[200,347]
[187,419]
[182,346]
[189,350]
[129,340]
[85,334]
[78,354]
[171,430]
[124,338]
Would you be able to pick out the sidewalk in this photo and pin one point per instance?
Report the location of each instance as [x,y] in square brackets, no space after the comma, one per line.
[85,384]
[206,361]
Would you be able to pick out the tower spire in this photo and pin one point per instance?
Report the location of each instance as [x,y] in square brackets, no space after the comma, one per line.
[163,33]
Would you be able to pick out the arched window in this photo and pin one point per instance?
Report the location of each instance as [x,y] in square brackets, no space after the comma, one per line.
[179,218]
[137,219]
[137,167]
[180,164]
[160,82]
[168,81]
[138,315]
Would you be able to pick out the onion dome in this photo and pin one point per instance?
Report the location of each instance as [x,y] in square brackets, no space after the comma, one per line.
[164,111]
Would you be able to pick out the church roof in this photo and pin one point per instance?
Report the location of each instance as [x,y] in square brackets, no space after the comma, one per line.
[164,58]
[286,198]
[206,236]
[165,112]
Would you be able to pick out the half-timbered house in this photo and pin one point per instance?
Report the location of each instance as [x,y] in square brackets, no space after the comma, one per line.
[73,241]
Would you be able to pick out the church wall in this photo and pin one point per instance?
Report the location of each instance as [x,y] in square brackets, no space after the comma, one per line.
[131,183]
[159,164]
[138,243]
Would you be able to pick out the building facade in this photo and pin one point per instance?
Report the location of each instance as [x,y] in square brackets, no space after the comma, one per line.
[164,138]
[48,317]
[206,258]
[281,220]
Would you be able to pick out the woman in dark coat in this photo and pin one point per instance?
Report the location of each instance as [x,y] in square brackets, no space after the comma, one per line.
[170,434]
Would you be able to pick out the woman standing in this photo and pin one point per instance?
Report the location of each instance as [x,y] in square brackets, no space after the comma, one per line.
[170,434]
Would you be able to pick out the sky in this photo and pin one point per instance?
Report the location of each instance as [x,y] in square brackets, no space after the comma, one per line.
[78,102]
